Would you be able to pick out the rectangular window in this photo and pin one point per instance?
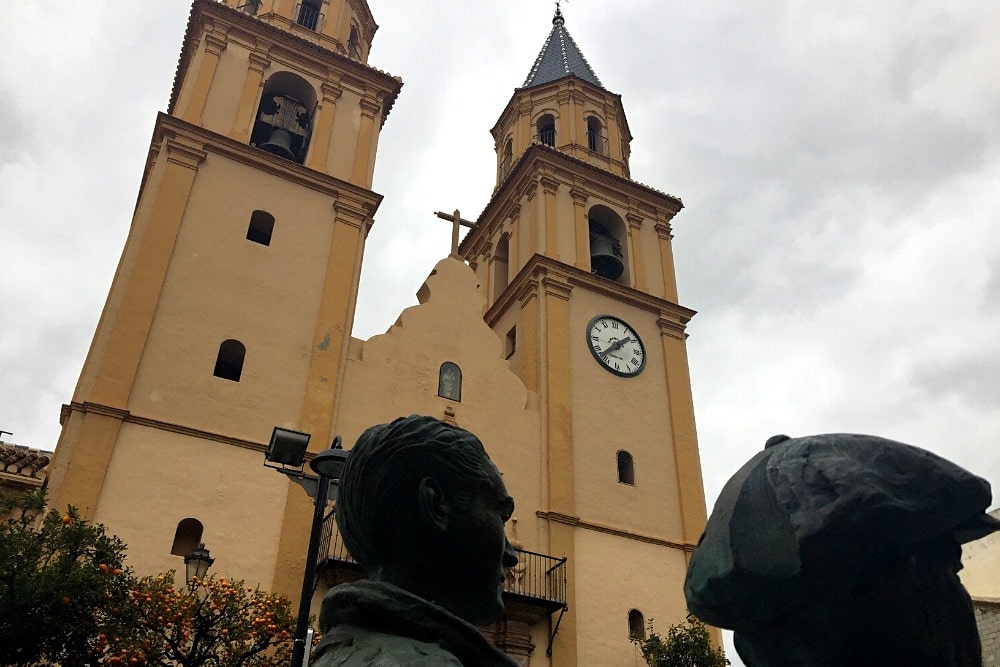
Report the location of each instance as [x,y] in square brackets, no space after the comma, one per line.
[510,343]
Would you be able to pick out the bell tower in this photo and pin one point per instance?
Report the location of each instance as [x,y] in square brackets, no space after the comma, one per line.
[576,262]
[232,305]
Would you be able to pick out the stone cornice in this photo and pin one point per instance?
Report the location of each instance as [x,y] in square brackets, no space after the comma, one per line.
[540,269]
[219,18]
[577,522]
[580,175]
[131,418]
[349,196]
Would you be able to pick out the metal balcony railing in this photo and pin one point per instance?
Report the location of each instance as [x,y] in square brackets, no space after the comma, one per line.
[308,15]
[250,7]
[597,143]
[505,168]
[547,137]
[535,577]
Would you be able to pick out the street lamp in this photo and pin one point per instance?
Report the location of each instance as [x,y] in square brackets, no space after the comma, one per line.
[196,565]
[287,449]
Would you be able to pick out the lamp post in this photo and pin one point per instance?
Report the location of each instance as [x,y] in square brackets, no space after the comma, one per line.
[287,448]
[196,565]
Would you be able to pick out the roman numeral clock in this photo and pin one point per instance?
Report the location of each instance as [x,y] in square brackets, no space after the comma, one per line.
[616,346]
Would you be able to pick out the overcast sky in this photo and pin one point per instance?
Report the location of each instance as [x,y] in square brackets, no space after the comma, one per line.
[838,163]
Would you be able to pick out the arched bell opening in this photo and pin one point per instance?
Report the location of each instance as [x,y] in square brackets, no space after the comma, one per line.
[546,128]
[607,244]
[596,141]
[354,44]
[501,262]
[506,159]
[284,118]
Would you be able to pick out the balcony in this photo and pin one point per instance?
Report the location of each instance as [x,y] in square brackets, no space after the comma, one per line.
[538,581]
[250,7]
[308,16]
[597,143]
[547,137]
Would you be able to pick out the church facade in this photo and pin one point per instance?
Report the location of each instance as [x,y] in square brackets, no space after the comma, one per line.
[553,331]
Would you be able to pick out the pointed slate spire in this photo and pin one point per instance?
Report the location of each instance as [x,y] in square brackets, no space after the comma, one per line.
[560,56]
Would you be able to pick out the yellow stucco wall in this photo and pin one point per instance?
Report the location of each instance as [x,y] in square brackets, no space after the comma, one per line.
[645,577]
[396,374]
[157,478]
[218,286]
[612,413]
[981,565]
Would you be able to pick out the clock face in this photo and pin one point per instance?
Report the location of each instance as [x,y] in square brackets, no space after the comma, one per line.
[616,346]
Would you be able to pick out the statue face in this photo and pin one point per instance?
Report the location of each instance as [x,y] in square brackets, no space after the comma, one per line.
[481,552]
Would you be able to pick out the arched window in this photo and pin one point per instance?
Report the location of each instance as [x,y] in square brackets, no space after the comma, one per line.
[229,363]
[508,157]
[450,381]
[626,468]
[501,266]
[607,244]
[308,14]
[546,127]
[354,44]
[186,537]
[636,625]
[284,117]
[596,140]
[261,227]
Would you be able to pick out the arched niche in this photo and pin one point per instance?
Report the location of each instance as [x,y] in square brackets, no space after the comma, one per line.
[608,247]
[283,123]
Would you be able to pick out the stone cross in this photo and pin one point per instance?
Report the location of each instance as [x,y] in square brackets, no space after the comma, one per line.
[456,221]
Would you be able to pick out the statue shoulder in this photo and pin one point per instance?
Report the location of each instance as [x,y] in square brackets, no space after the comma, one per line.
[365,648]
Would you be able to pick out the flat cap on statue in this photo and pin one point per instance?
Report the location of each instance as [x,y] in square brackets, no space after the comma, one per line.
[823,522]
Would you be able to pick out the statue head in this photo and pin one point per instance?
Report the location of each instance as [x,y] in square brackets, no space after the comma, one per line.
[422,506]
[842,549]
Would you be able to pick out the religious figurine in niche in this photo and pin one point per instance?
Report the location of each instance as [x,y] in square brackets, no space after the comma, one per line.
[422,509]
[836,550]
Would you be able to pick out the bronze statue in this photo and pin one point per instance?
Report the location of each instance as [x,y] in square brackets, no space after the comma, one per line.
[422,509]
[837,550]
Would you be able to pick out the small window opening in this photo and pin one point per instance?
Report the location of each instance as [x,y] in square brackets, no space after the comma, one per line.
[354,44]
[501,266]
[261,227]
[508,156]
[308,14]
[229,363]
[450,381]
[636,625]
[547,130]
[595,136]
[626,468]
[186,537]
[250,7]
[510,343]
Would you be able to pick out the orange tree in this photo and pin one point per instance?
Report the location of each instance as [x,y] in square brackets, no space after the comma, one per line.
[60,577]
[220,623]
[687,644]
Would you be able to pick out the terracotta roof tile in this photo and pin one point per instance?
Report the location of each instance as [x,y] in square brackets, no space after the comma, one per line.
[23,461]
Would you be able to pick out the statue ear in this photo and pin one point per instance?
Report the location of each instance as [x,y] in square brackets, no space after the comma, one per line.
[434,507]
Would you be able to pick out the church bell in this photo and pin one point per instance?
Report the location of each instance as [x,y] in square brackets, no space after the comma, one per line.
[279,143]
[605,256]
[285,121]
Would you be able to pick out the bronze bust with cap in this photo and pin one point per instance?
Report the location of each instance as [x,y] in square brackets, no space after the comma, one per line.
[422,509]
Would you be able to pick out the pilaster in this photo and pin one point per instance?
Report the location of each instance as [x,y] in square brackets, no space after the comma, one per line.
[362,154]
[215,44]
[682,429]
[581,228]
[252,86]
[323,127]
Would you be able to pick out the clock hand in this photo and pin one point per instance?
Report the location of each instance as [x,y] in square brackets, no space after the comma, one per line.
[618,344]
